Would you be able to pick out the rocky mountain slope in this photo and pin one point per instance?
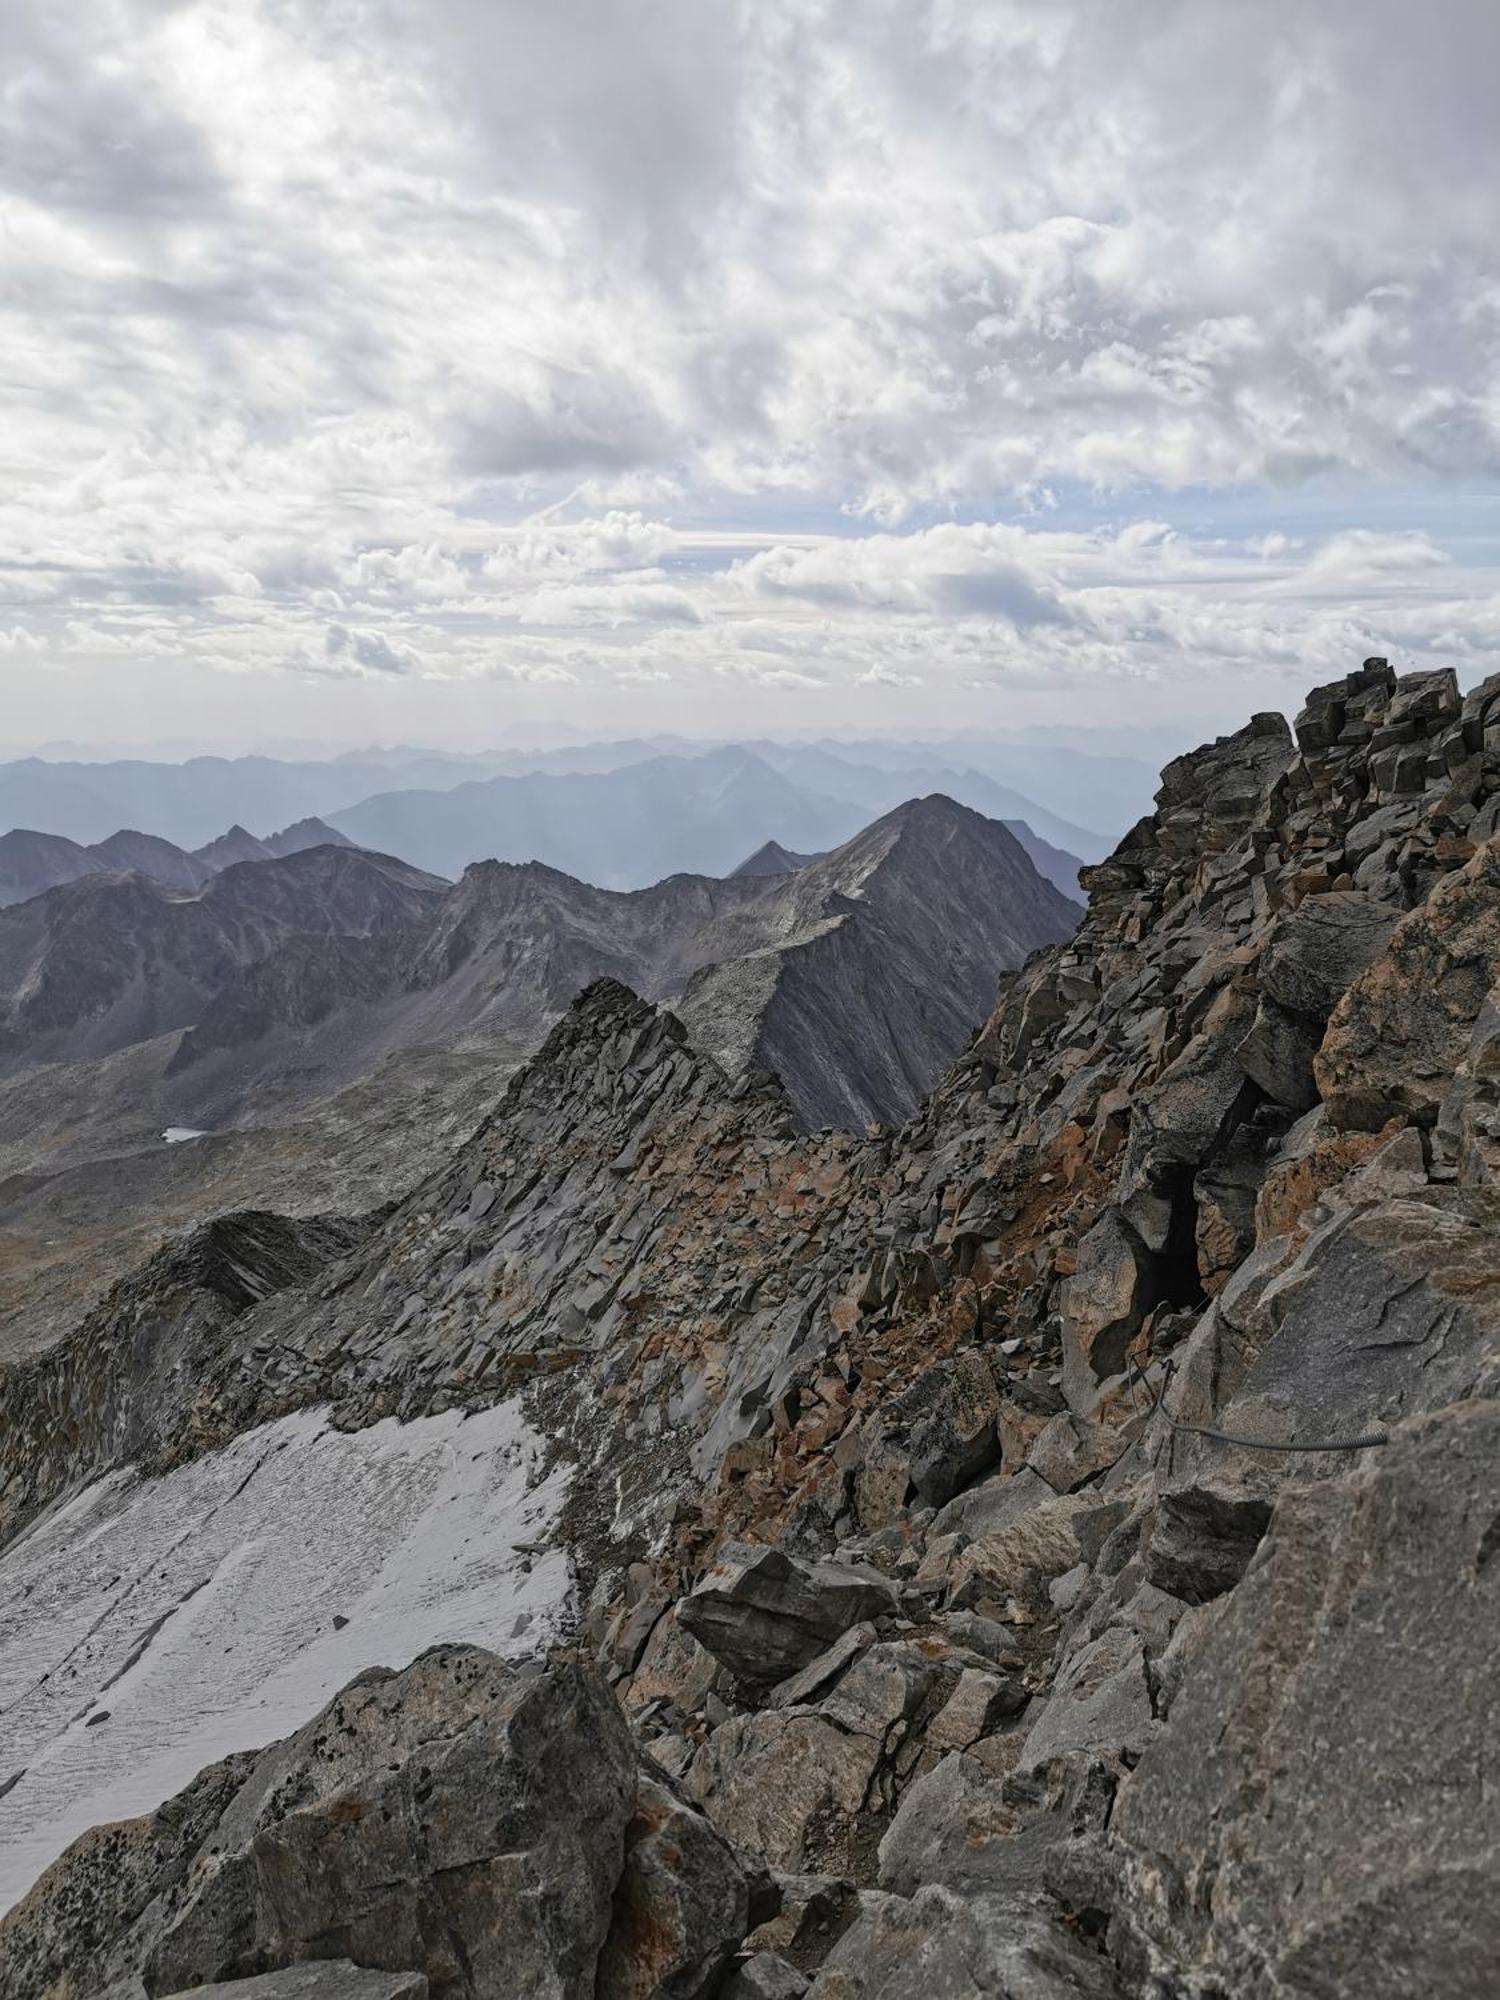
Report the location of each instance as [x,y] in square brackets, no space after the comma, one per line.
[297,1014]
[857,977]
[1044,1550]
[108,960]
[31,863]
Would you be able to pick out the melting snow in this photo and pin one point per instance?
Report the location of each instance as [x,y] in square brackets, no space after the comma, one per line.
[150,1626]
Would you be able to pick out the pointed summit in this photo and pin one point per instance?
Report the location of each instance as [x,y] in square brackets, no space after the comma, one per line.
[772,859]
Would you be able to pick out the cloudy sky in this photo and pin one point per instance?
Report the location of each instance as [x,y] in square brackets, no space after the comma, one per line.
[377,370]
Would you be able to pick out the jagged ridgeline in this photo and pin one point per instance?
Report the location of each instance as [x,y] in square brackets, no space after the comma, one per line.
[1046,1550]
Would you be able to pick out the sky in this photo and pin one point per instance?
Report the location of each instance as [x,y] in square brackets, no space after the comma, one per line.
[448,373]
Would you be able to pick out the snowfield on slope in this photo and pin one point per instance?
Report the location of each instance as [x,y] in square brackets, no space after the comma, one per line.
[151,1626]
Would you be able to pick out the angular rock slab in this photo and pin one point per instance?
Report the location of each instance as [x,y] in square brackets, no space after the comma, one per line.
[942,1946]
[765,1614]
[464,1819]
[1317,1818]
[323,1979]
[681,1907]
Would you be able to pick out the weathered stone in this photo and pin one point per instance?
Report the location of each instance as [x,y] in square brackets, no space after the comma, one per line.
[788,1785]
[883,1687]
[814,1911]
[992,1505]
[954,1826]
[1322,1766]
[981,1947]
[955,1440]
[327,1979]
[1100,1702]
[1388,1309]
[1103,1305]
[765,1614]
[1399,1033]
[978,1705]
[1072,1450]
[463,1819]
[764,1976]
[1203,1539]
[681,1906]
[817,1677]
[1024,1557]
[882,1482]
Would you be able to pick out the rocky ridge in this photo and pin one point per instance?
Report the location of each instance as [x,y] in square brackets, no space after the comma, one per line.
[31,862]
[1056,1537]
[319,1018]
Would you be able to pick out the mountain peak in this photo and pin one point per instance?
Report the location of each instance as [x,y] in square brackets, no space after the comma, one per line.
[771,858]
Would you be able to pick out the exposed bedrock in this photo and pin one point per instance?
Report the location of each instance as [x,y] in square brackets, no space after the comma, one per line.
[1055,1539]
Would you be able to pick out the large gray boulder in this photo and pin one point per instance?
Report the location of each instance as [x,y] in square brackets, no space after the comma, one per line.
[942,1946]
[1317,952]
[1315,1818]
[463,1819]
[1203,1538]
[681,1907]
[1398,1034]
[765,1614]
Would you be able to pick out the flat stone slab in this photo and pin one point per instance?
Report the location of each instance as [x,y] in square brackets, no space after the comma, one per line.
[323,1979]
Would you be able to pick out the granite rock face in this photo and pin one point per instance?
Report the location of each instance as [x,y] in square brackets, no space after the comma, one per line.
[1055,1537]
[461,1819]
[1323,1768]
[765,1614]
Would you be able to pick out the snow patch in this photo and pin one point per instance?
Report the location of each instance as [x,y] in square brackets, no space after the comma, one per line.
[149,1626]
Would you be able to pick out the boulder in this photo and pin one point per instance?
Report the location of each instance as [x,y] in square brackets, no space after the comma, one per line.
[980,1703]
[764,1976]
[1399,1033]
[326,1979]
[957,1826]
[944,1946]
[681,1906]
[955,1440]
[1103,1304]
[1390,1308]
[1100,1703]
[1314,1817]
[789,1785]
[463,1819]
[1203,1539]
[765,1614]
[1022,1559]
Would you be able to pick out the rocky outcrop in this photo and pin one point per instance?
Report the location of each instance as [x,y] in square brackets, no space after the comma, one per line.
[483,1825]
[1056,1536]
[1314,1817]
[31,863]
[766,1615]
[857,978]
[120,1389]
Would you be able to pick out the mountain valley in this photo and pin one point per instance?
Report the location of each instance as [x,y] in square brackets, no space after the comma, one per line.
[1042,1546]
[315,1015]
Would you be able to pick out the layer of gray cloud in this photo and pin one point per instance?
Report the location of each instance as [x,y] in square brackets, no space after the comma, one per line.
[350,339]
